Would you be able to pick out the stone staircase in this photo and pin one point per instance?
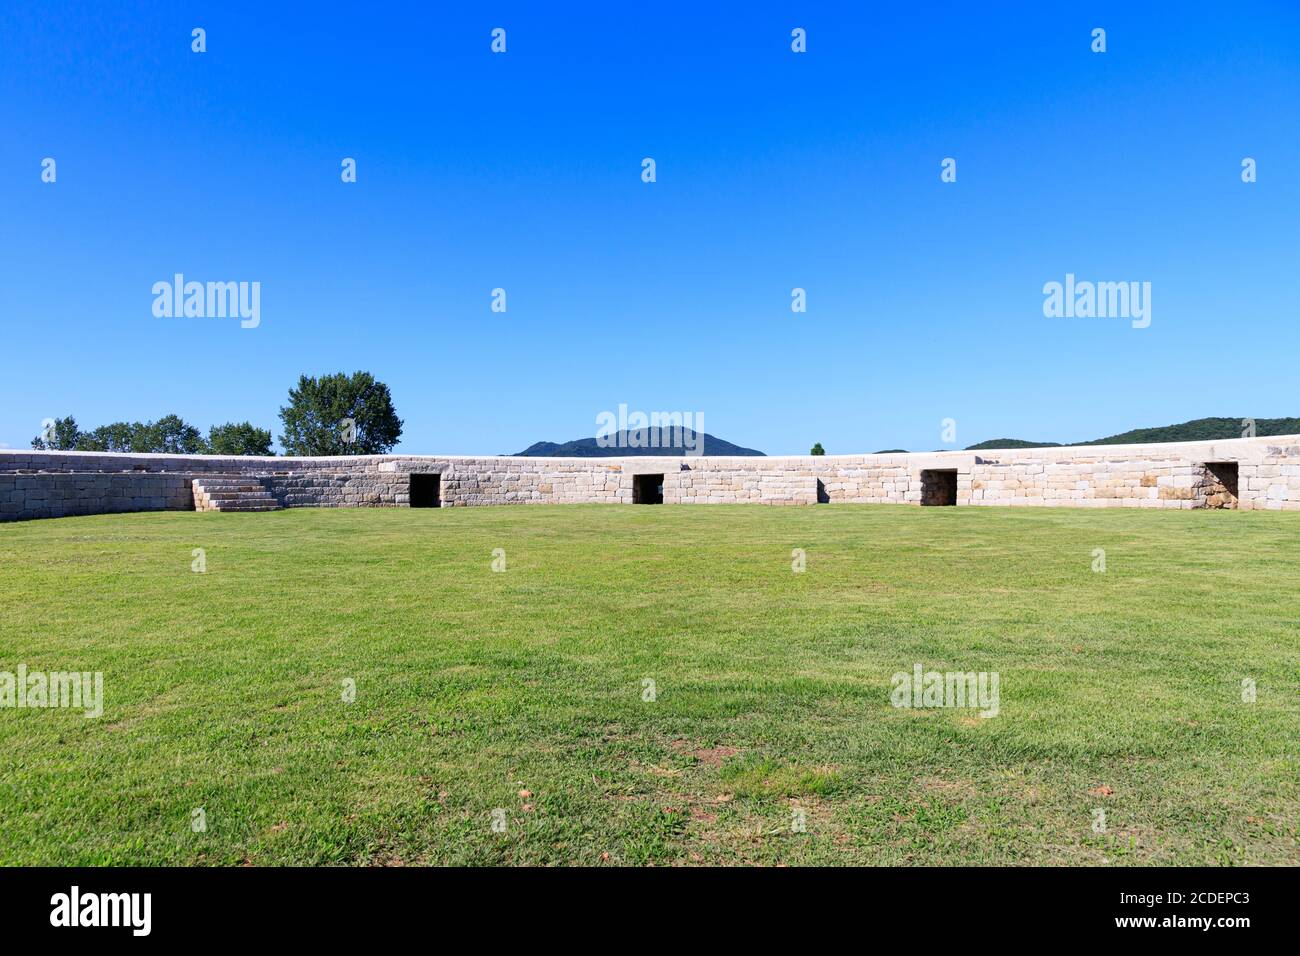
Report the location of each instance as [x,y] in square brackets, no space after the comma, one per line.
[232,493]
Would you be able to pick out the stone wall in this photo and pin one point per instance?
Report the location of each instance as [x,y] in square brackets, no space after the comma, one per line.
[1154,476]
[491,481]
[63,494]
[335,490]
[1178,476]
[745,486]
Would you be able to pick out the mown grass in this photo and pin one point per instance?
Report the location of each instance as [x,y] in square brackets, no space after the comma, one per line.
[524,691]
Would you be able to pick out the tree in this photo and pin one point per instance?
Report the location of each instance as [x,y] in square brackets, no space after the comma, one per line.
[239,438]
[339,415]
[119,436]
[817,449]
[63,437]
[168,435]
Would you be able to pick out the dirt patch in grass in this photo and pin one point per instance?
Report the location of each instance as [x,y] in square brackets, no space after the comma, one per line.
[708,756]
[948,786]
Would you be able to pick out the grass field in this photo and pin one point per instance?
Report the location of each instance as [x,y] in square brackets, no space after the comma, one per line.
[523,691]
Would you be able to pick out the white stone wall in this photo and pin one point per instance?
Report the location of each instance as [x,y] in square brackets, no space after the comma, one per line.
[1272,483]
[738,486]
[1100,481]
[339,490]
[506,480]
[63,494]
[1128,476]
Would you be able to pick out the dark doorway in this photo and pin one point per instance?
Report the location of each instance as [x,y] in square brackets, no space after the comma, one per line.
[823,497]
[647,489]
[1221,484]
[426,491]
[939,486]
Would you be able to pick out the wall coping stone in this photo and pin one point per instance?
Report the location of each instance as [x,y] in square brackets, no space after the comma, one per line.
[1231,449]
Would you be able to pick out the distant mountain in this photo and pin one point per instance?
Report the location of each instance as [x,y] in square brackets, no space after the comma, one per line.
[1201,429]
[1198,429]
[649,441]
[1012,443]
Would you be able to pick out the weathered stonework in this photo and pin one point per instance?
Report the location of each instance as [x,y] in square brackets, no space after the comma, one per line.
[337,490]
[1185,475]
[60,494]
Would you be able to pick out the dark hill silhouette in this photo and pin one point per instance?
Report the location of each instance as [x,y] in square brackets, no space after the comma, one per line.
[1012,443]
[1198,429]
[620,445]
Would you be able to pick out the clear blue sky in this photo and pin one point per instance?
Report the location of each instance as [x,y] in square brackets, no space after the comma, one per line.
[775,170]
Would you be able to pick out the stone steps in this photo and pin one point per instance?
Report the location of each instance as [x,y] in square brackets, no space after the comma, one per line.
[224,493]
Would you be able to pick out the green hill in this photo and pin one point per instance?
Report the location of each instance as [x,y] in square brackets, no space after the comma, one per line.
[649,442]
[1198,429]
[1013,443]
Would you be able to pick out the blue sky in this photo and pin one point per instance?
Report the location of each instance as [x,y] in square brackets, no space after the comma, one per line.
[775,170]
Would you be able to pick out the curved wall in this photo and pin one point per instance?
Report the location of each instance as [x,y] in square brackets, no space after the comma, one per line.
[1185,475]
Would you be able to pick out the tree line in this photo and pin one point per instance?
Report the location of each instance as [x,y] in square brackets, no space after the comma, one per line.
[335,414]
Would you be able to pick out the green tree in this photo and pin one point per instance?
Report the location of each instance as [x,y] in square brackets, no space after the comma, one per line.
[62,437]
[239,438]
[316,420]
[171,435]
[168,435]
[817,449]
[118,436]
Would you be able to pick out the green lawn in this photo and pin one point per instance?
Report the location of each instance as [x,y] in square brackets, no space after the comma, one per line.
[522,691]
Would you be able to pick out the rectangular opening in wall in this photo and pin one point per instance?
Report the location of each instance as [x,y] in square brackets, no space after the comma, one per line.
[939,486]
[647,489]
[1221,484]
[823,497]
[426,491]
